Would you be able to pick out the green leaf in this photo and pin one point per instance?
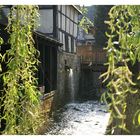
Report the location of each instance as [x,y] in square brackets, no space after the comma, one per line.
[139,118]
[0,68]
[1,41]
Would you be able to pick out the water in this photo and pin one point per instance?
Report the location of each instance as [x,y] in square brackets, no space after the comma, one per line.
[85,118]
[71,85]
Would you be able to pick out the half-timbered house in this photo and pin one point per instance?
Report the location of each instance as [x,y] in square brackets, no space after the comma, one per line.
[56,39]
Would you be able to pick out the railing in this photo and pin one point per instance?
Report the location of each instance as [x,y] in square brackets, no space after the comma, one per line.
[98,57]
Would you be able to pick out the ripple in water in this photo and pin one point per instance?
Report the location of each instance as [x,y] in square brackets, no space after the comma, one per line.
[87,118]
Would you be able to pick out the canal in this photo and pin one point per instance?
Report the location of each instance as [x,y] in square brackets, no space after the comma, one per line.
[80,118]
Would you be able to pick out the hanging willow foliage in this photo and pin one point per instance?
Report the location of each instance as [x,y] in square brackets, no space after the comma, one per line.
[123,50]
[85,23]
[21,98]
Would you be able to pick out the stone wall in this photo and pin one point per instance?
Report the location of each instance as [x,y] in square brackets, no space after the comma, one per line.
[68,70]
[46,104]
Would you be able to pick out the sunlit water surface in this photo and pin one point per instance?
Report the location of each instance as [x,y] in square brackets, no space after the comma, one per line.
[80,118]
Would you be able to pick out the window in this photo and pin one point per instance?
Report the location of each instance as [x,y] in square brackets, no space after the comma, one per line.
[60,37]
[66,43]
[72,45]
[63,23]
[67,25]
[46,21]
[64,46]
[68,11]
[75,30]
[71,27]
[59,7]
[63,9]
[69,40]
[59,20]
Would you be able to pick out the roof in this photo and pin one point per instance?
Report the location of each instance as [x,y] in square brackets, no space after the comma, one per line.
[75,7]
[48,38]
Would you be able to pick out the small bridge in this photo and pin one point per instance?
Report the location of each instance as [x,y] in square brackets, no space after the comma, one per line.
[92,66]
[95,62]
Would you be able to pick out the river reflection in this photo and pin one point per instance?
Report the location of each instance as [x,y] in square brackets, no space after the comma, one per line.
[80,118]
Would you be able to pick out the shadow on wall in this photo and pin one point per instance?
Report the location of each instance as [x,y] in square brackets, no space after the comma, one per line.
[90,86]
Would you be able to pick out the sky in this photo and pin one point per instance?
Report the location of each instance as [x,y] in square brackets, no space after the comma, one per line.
[69,2]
